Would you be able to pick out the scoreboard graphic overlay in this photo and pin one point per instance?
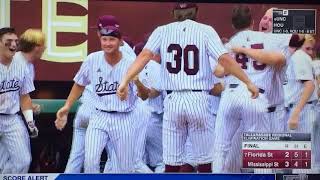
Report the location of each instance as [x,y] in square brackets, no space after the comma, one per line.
[276,150]
[288,21]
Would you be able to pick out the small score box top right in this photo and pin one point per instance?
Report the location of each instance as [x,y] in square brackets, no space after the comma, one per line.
[276,150]
[288,21]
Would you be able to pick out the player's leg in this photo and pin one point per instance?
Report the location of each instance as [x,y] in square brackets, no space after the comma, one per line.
[112,162]
[76,157]
[201,122]
[140,131]
[189,161]
[95,141]
[256,119]
[4,158]
[154,142]
[16,139]
[233,161]
[255,114]
[121,132]
[174,132]
[278,122]
[227,123]
[316,132]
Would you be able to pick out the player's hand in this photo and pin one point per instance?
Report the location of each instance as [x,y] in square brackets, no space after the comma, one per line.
[62,117]
[33,129]
[36,108]
[294,120]
[122,91]
[253,89]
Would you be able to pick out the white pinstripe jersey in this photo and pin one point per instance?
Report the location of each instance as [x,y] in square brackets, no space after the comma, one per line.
[230,79]
[214,100]
[150,78]
[299,68]
[276,95]
[106,79]
[316,67]
[15,80]
[260,74]
[127,50]
[88,94]
[185,48]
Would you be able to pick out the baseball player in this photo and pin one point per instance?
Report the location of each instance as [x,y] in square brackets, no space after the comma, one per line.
[16,84]
[81,121]
[301,92]
[184,47]
[245,110]
[148,147]
[316,128]
[31,47]
[111,165]
[276,111]
[112,120]
[153,145]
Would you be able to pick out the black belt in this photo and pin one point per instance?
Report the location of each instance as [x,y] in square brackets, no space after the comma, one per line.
[170,91]
[4,114]
[309,102]
[236,85]
[106,111]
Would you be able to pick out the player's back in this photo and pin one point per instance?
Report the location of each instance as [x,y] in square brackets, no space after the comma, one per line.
[260,74]
[185,61]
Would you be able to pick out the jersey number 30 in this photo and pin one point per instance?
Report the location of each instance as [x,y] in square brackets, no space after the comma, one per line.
[178,58]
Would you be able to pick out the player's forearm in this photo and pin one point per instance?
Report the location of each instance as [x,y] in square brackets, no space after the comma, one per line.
[262,56]
[137,66]
[74,95]
[305,95]
[232,67]
[25,102]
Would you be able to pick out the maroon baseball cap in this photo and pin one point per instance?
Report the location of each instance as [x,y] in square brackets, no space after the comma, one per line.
[185,5]
[107,20]
[108,26]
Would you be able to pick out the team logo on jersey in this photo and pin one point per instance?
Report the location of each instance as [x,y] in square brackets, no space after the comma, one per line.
[9,86]
[104,88]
